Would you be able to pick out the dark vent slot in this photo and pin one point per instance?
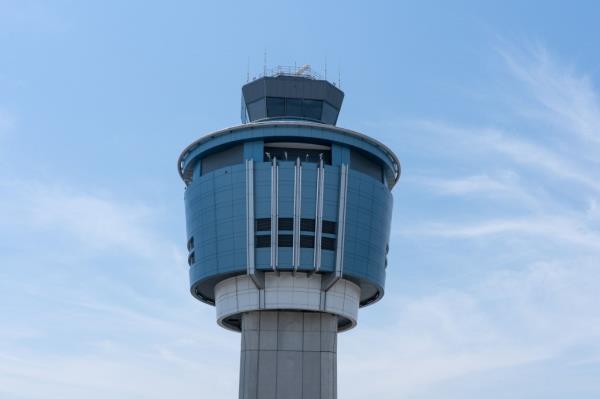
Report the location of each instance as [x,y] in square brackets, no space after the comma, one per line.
[190,244]
[328,243]
[307,241]
[307,224]
[191,259]
[285,240]
[263,241]
[329,227]
[263,224]
[286,224]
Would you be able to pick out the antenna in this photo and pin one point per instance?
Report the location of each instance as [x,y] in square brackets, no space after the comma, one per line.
[325,67]
[265,64]
[248,70]
[339,78]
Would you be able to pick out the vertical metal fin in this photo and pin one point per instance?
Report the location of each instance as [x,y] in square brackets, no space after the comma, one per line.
[319,215]
[274,214]
[297,213]
[258,278]
[339,256]
[250,216]
[330,280]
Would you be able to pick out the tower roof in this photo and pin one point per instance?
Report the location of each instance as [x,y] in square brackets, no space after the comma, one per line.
[291,94]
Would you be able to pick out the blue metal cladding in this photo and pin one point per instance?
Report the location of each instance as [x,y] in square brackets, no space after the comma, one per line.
[286,209]
[331,197]
[215,217]
[308,211]
[368,218]
[215,204]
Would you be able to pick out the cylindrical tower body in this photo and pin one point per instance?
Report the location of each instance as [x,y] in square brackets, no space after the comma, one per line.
[288,222]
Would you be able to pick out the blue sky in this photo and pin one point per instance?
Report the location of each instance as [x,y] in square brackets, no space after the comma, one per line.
[494,111]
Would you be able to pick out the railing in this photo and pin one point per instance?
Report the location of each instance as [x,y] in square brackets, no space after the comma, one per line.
[304,71]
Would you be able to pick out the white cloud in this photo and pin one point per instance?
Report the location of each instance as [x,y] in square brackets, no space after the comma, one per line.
[487,141]
[558,229]
[128,342]
[536,297]
[511,319]
[569,98]
[466,185]
[502,186]
[88,329]
[93,221]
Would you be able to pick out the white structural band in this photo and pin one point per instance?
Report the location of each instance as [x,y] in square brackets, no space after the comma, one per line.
[287,291]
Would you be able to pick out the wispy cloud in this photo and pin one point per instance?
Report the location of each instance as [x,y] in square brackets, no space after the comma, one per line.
[558,229]
[497,141]
[536,244]
[510,319]
[475,184]
[95,221]
[86,328]
[568,97]
[498,186]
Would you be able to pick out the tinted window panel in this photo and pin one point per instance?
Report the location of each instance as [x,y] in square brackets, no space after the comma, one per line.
[262,241]
[312,109]
[328,243]
[329,227]
[307,224]
[293,106]
[285,240]
[286,224]
[275,106]
[263,224]
[330,114]
[256,109]
[307,241]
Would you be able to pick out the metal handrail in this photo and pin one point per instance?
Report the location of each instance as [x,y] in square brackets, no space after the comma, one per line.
[304,71]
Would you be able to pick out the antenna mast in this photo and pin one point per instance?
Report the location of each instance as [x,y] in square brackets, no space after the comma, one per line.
[265,64]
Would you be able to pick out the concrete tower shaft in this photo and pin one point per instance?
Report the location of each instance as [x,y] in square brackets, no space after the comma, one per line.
[288,220]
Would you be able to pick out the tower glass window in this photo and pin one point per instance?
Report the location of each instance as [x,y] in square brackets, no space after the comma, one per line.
[294,107]
[307,152]
[312,109]
[275,106]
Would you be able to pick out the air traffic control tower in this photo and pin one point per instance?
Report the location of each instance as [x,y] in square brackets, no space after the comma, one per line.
[288,223]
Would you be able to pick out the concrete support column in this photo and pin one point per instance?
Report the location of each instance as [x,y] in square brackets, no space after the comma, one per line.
[288,354]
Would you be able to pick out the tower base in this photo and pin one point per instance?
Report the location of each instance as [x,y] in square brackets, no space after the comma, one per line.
[288,354]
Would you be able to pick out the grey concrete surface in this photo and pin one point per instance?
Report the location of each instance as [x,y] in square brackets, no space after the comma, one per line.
[288,355]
